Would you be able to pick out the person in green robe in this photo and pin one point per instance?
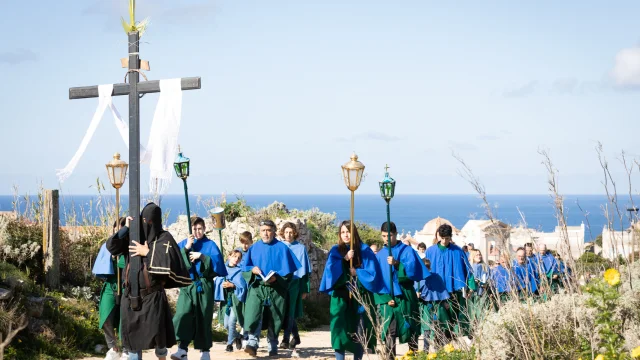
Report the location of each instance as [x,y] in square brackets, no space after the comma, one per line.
[109,268]
[267,268]
[352,320]
[231,292]
[194,311]
[299,287]
[401,266]
[452,265]
[434,307]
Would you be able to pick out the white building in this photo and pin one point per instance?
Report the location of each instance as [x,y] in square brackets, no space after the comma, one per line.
[619,243]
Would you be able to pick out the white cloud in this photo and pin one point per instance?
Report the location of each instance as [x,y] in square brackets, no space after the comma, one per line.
[626,71]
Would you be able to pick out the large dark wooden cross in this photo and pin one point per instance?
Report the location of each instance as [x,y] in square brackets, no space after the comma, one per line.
[135,90]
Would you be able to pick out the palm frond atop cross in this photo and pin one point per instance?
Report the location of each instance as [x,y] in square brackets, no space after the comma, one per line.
[132,26]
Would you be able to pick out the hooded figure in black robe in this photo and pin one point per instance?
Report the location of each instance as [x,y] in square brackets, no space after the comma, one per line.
[147,320]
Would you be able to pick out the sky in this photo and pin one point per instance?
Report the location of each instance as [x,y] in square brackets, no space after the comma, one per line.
[291,88]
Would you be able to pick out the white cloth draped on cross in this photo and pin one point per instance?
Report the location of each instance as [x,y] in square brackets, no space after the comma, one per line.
[163,138]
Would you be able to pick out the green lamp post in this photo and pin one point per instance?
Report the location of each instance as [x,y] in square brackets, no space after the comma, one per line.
[387,190]
[181,165]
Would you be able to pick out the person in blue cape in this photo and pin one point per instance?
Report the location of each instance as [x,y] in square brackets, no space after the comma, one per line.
[434,314]
[231,292]
[105,268]
[194,311]
[547,268]
[564,272]
[501,281]
[350,320]
[525,275]
[299,287]
[452,265]
[399,311]
[267,293]
[478,301]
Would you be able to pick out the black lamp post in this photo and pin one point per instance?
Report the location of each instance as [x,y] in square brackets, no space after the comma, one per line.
[387,190]
[181,165]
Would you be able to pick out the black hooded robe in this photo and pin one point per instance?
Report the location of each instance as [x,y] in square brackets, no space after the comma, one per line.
[150,326]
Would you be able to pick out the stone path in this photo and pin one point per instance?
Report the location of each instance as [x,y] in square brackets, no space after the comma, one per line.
[315,345]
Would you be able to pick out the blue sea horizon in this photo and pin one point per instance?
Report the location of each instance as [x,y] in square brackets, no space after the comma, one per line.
[409,212]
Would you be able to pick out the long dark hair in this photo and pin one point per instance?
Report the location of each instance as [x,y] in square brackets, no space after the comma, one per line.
[357,243]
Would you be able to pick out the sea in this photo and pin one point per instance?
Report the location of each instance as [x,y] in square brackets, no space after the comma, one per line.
[409,212]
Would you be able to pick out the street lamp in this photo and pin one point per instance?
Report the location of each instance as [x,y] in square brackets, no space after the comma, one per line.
[352,173]
[181,165]
[117,172]
[387,190]
[217,218]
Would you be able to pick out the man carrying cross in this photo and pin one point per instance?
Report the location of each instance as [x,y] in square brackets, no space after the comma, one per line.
[146,317]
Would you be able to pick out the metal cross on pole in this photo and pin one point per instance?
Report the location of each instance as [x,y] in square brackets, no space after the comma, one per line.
[135,90]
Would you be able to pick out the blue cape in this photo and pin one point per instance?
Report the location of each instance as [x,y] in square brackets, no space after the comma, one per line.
[547,262]
[413,266]
[300,251]
[525,276]
[103,267]
[210,249]
[451,264]
[501,279]
[368,273]
[234,275]
[481,274]
[274,256]
[432,288]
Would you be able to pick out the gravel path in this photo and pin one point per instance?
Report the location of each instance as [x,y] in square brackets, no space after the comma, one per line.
[315,345]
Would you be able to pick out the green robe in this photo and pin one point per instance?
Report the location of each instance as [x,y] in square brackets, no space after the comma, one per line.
[108,295]
[236,305]
[297,287]
[194,311]
[345,317]
[406,312]
[265,299]
[433,317]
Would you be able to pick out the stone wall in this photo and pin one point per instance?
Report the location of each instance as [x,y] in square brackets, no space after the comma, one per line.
[230,236]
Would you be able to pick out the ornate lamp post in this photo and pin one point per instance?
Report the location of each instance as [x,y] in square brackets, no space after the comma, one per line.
[352,173]
[181,165]
[117,172]
[387,190]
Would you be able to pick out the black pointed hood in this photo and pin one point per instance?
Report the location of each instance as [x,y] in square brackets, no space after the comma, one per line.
[151,222]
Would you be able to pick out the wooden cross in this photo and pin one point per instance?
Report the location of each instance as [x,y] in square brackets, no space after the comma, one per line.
[135,90]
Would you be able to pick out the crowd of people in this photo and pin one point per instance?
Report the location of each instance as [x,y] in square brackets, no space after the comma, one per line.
[393,292]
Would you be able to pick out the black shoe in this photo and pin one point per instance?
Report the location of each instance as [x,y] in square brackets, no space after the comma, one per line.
[238,342]
[229,348]
[251,350]
[273,353]
[284,345]
[295,342]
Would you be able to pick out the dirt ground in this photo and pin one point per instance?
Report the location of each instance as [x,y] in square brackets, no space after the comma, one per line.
[315,345]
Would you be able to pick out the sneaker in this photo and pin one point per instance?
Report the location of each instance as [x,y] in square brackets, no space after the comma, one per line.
[294,354]
[284,345]
[181,354]
[251,350]
[125,356]
[112,355]
[204,355]
[244,343]
[229,348]
[239,343]
[273,353]
[295,342]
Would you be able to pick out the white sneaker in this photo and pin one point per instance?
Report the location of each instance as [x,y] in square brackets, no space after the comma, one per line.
[112,355]
[205,355]
[181,354]
[125,356]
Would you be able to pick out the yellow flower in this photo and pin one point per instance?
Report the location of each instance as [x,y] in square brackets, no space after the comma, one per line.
[448,348]
[432,356]
[612,276]
[600,356]
[635,352]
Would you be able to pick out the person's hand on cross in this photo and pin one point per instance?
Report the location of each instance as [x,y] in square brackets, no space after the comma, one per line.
[392,261]
[190,241]
[127,222]
[138,250]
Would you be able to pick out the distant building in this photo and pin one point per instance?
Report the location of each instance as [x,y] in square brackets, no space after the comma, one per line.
[620,243]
